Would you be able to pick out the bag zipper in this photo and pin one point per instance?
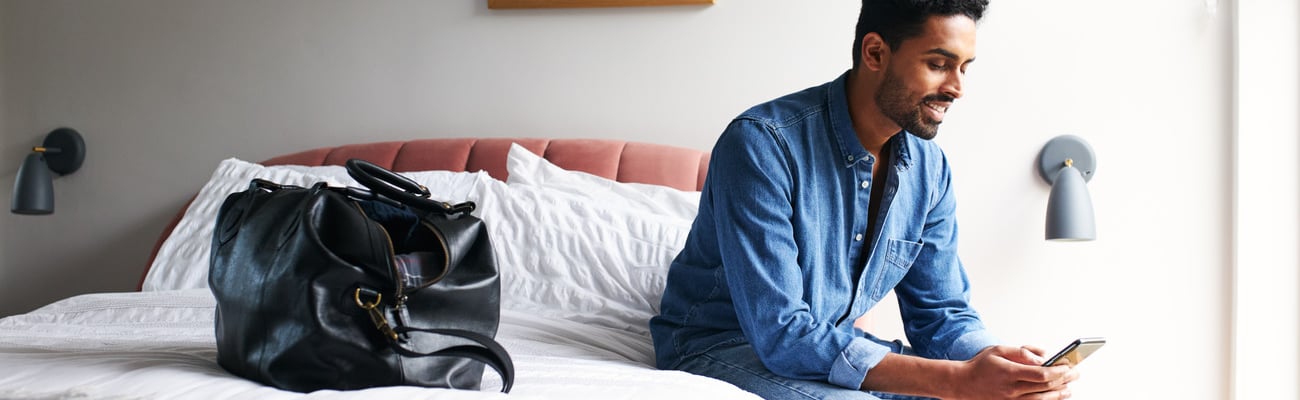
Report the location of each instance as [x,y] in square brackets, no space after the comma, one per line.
[446,251]
[399,302]
[398,277]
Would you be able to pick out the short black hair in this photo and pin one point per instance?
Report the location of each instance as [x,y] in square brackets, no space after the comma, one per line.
[899,20]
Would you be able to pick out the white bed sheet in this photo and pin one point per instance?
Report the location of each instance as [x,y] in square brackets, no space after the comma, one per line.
[160,345]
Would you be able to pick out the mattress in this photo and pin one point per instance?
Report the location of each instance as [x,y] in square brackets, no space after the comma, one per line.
[160,345]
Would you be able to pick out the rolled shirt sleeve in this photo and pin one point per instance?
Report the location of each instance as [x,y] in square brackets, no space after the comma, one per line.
[850,369]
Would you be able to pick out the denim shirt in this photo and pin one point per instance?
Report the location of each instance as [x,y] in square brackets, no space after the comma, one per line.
[778,254]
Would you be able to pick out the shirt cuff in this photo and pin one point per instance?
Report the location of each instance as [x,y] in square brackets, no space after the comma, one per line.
[850,368]
[970,344]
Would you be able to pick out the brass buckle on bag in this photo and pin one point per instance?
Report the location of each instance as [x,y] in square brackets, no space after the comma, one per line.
[376,316]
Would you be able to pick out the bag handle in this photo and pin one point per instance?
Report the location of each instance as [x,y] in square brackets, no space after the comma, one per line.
[487,352]
[400,188]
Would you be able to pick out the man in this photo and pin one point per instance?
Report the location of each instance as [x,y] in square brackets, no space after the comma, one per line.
[819,203]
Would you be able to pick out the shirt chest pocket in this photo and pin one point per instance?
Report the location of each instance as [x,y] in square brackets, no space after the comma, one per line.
[899,256]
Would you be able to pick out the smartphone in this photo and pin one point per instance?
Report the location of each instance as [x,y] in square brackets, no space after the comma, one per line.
[1075,352]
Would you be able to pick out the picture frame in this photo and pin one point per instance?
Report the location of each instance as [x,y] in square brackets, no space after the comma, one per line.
[509,4]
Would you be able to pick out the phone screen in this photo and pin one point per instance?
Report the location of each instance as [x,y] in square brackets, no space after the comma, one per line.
[1075,352]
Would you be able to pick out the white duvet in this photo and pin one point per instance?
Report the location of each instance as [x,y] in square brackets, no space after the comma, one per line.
[160,345]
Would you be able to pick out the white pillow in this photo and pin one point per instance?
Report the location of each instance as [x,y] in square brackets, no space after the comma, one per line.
[560,255]
[526,168]
[182,260]
[568,257]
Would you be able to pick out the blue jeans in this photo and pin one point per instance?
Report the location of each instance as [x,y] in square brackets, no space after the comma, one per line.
[739,365]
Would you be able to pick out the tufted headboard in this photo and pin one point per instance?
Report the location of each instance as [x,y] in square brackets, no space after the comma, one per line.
[623,161]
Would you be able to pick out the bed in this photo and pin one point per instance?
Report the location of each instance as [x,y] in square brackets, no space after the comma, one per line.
[583,232]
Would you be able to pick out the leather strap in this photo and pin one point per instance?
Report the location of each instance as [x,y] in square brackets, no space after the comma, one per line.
[488,352]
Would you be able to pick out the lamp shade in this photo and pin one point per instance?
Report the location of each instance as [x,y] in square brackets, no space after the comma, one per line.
[34,187]
[1069,208]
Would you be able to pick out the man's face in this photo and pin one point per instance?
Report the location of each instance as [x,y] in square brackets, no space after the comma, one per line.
[924,75]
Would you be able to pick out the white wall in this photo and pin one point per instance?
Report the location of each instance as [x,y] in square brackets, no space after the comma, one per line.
[1149,88]
[163,90]
[1267,219]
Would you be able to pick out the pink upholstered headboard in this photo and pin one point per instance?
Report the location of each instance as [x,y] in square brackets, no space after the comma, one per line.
[622,161]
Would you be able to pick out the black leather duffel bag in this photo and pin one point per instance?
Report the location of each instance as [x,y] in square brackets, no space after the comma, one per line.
[346,288]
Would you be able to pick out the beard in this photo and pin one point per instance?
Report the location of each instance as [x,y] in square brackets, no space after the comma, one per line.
[894,103]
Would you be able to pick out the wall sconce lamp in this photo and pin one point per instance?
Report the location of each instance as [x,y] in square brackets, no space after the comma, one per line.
[1067,163]
[62,152]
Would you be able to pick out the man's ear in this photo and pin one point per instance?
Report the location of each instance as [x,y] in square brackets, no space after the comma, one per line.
[875,52]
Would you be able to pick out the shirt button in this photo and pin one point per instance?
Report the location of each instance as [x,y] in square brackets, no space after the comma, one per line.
[858,238]
[865,184]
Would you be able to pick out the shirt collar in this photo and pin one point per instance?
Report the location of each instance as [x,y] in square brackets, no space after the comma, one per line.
[902,145]
[842,132]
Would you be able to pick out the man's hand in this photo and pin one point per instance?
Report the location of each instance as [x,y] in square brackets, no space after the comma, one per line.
[1005,372]
[997,372]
